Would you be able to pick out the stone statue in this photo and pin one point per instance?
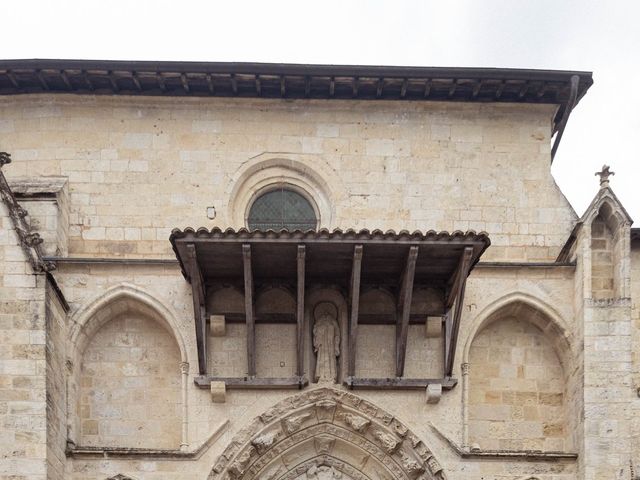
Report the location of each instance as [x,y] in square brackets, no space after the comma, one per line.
[326,342]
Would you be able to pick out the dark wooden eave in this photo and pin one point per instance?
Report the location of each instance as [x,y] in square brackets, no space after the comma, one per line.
[278,80]
[349,259]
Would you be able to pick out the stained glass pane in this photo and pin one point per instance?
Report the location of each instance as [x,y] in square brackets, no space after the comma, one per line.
[282,209]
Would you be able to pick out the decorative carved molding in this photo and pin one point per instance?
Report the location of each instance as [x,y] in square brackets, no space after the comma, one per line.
[311,429]
[30,241]
[120,477]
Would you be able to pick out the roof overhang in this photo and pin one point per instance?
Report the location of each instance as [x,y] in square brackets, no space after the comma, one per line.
[279,80]
[350,259]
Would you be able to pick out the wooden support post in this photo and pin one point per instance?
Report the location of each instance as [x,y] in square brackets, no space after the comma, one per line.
[300,311]
[354,301]
[404,309]
[452,323]
[199,311]
[249,310]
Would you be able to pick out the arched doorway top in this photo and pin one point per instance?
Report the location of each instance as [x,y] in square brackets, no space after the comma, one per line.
[310,435]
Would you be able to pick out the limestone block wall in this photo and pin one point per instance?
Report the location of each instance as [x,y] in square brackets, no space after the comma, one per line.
[368,164]
[23,340]
[130,382]
[635,316]
[517,389]
[56,382]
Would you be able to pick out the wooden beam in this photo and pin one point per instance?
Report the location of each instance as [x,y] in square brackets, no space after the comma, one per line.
[112,80]
[399,383]
[185,82]
[500,89]
[234,84]
[307,86]
[403,89]
[354,301]
[452,88]
[332,86]
[300,311]
[523,89]
[12,78]
[87,80]
[204,381]
[379,87]
[356,86]
[197,291]
[136,81]
[427,88]
[212,89]
[458,277]
[476,89]
[161,84]
[452,322]
[249,309]
[283,86]
[404,309]
[258,86]
[363,318]
[42,81]
[65,79]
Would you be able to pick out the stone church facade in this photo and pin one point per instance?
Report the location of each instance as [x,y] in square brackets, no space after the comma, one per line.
[252,271]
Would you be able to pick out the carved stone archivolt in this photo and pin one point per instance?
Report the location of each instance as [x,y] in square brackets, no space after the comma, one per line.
[326,434]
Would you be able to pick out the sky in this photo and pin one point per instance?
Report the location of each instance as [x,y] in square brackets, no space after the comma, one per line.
[594,35]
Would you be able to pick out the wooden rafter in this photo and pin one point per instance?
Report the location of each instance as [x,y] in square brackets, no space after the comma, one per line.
[12,78]
[427,88]
[332,86]
[198,294]
[300,311]
[258,86]
[283,86]
[42,80]
[234,84]
[185,82]
[455,299]
[307,86]
[354,302]
[249,309]
[404,309]
[403,89]
[161,84]
[379,87]
[476,89]
[136,81]
[65,79]
[87,80]
[212,90]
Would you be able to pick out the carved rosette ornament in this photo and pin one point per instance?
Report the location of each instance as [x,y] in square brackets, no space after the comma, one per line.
[326,434]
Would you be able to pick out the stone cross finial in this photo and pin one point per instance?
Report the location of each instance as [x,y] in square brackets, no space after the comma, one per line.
[604,175]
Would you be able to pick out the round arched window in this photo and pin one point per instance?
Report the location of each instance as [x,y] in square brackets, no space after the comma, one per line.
[282,208]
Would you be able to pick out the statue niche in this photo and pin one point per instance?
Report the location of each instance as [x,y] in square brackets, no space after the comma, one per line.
[326,342]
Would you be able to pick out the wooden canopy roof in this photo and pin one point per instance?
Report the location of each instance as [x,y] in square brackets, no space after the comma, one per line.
[329,254]
[347,258]
[278,80]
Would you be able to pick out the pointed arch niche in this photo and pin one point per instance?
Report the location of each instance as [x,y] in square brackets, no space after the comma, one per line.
[324,434]
[609,251]
[516,380]
[128,372]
